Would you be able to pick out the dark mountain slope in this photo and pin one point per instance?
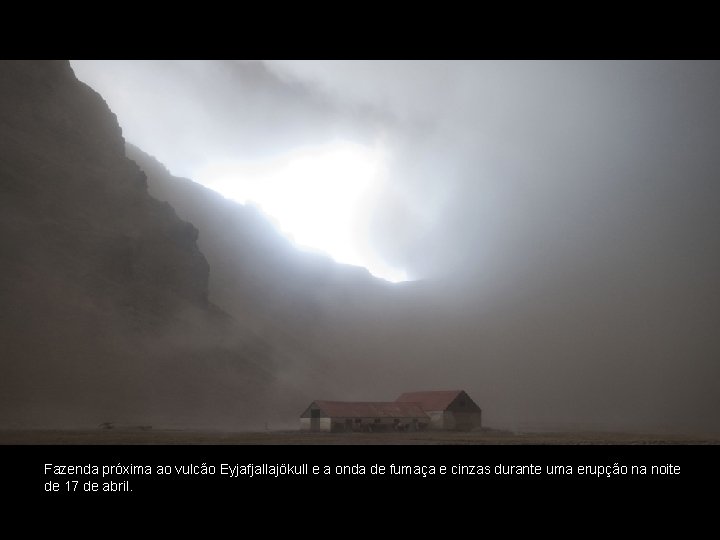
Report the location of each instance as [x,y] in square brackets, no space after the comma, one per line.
[103,291]
[326,313]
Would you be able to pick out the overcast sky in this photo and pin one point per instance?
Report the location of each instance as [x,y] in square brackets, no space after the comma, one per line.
[485,163]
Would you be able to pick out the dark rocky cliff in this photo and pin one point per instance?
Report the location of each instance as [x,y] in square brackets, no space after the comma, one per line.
[103,290]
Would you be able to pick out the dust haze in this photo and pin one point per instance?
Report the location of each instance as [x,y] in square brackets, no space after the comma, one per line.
[558,219]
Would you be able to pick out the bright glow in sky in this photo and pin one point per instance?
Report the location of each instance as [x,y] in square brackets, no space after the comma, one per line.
[317,196]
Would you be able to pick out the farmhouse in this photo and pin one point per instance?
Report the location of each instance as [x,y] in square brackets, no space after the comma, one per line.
[414,411]
[363,416]
[447,409]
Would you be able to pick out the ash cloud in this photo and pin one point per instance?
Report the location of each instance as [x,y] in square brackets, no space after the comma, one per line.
[562,216]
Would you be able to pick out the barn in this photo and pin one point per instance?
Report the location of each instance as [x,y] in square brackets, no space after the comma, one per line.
[348,416]
[412,411]
[447,409]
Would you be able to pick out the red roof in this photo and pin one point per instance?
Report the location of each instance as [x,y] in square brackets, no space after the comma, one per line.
[437,400]
[364,409]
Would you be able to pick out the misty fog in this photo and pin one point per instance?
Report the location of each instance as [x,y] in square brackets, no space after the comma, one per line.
[557,220]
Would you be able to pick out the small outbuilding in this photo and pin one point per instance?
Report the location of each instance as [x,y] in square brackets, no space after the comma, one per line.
[349,416]
[447,409]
